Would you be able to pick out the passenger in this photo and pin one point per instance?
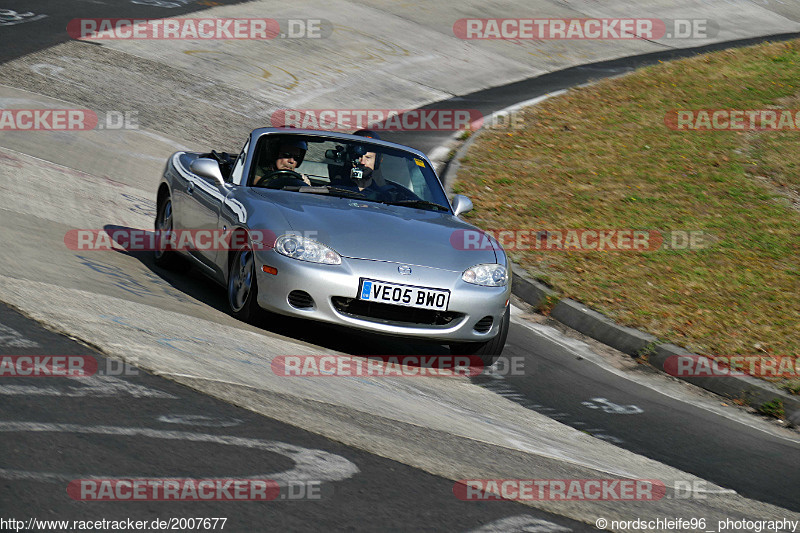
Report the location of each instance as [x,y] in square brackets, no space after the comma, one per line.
[368,167]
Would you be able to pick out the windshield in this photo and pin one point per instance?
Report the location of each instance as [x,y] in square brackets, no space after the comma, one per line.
[348,169]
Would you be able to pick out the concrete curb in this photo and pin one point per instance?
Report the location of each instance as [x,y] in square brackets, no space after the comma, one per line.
[754,392]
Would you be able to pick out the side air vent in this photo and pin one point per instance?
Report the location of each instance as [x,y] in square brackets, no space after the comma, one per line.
[484,324]
[301,300]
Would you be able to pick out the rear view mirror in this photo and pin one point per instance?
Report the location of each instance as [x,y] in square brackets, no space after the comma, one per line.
[337,154]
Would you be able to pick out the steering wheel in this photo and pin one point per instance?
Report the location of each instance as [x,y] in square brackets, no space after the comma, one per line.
[281,178]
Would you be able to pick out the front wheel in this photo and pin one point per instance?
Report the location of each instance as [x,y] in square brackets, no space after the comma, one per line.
[242,286]
[490,350]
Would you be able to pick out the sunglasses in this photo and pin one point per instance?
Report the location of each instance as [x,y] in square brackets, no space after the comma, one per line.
[289,155]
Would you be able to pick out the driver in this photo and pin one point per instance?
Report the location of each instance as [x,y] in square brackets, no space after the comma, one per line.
[290,155]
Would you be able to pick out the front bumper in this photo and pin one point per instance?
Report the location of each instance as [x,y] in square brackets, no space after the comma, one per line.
[334,288]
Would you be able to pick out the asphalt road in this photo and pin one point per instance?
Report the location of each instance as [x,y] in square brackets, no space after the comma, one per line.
[674,432]
[130,424]
[570,388]
[17,38]
[556,379]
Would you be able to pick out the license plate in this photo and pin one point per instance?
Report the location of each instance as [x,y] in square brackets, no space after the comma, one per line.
[407,295]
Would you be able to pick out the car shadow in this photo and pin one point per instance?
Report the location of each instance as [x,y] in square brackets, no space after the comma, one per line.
[195,284]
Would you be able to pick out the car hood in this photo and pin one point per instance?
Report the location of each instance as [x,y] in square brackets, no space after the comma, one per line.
[370,230]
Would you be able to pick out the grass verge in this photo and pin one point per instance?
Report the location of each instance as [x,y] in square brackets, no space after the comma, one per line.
[602,157]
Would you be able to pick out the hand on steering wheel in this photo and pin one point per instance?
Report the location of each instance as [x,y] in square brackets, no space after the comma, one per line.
[279,179]
[287,173]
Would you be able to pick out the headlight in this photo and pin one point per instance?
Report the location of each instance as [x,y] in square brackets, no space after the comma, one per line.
[298,247]
[491,275]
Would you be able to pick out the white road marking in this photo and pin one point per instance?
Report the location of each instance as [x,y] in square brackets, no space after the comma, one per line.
[612,408]
[656,384]
[48,70]
[310,465]
[14,339]
[162,3]
[606,437]
[92,386]
[9,17]
[500,386]
[521,524]
[199,420]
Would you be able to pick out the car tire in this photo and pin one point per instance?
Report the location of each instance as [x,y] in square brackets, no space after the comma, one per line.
[243,286]
[166,259]
[490,350]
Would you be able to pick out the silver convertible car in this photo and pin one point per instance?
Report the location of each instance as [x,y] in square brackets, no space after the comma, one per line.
[353,231]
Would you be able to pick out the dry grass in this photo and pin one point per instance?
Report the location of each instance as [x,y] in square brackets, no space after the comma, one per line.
[602,157]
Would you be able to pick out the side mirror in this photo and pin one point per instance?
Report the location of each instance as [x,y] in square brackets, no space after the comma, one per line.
[207,168]
[461,204]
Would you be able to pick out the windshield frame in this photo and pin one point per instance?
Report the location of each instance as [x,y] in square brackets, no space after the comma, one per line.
[262,135]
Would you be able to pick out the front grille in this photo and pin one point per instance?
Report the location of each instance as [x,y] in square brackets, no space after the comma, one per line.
[300,300]
[484,324]
[388,313]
